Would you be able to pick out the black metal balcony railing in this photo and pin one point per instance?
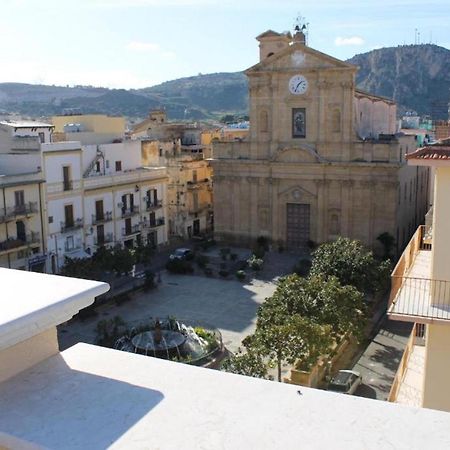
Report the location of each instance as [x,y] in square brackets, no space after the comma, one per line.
[69,247]
[102,240]
[131,211]
[72,225]
[67,185]
[11,212]
[420,298]
[12,243]
[101,218]
[153,205]
[128,231]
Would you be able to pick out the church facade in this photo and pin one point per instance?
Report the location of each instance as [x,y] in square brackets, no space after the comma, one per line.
[322,159]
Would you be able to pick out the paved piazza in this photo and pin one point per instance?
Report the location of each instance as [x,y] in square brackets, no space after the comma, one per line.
[228,305]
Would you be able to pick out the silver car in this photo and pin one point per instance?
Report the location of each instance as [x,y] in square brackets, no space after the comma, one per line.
[345,382]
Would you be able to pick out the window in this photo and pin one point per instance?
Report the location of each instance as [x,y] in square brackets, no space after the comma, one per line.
[118,166]
[107,163]
[97,166]
[298,122]
[50,219]
[67,182]
[68,214]
[41,137]
[69,243]
[19,198]
[194,176]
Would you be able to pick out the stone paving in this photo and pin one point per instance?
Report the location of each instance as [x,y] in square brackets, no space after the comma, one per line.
[228,305]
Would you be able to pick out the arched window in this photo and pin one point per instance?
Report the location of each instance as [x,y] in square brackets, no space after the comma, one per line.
[336,121]
[264,121]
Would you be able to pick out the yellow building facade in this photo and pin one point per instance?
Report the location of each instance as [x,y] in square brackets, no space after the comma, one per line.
[421,294]
[322,158]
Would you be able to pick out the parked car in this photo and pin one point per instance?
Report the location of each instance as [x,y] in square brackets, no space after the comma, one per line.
[182,253]
[345,382]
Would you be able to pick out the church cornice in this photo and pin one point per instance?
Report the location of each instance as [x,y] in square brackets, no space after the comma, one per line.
[301,148]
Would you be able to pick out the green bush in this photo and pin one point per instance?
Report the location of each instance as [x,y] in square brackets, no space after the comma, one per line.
[255,263]
[121,299]
[263,241]
[240,275]
[179,266]
[233,256]
[224,252]
[302,267]
[259,252]
[202,261]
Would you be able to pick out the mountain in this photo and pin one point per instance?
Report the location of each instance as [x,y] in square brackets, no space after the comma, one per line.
[416,76]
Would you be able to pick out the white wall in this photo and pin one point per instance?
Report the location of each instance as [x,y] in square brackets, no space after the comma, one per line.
[18,164]
[374,117]
[54,163]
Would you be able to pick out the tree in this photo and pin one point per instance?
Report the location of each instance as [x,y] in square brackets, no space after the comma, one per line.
[297,338]
[351,263]
[250,364]
[324,301]
[123,260]
[388,243]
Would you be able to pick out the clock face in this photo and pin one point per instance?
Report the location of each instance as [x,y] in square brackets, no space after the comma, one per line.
[298,85]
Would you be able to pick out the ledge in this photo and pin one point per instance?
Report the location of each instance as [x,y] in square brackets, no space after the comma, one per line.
[34,302]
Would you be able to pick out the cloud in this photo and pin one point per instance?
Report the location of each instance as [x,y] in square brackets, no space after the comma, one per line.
[354,40]
[138,46]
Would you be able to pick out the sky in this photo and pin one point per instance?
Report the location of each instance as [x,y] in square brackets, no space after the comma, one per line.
[139,43]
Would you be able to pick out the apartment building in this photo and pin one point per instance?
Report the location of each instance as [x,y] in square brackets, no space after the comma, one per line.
[179,147]
[101,195]
[90,397]
[22,232]
[88,128]
[323,159]
[421,294]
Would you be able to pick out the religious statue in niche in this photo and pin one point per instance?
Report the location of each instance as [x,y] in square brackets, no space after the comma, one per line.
[298,122]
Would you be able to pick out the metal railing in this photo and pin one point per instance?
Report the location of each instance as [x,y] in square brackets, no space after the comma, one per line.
[160,221]
[131,211]
[11,212]
[72,225]
[72,247]
[16,242]
[100,218]
[420,298]
[401,370]
[406,260]
[153,205]
[195,184]
[134,229]
[106,239]
[67,185]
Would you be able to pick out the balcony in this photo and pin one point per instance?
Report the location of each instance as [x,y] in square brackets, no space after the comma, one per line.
[68,185]
[160,221]
[72,247]
[129,212]
[407,387]
[108,238]
[12,212]
[150,206]
[71,226]
[192,210]
[134,229]
[101,218]
[15,244]
[415,297]
[198,184]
